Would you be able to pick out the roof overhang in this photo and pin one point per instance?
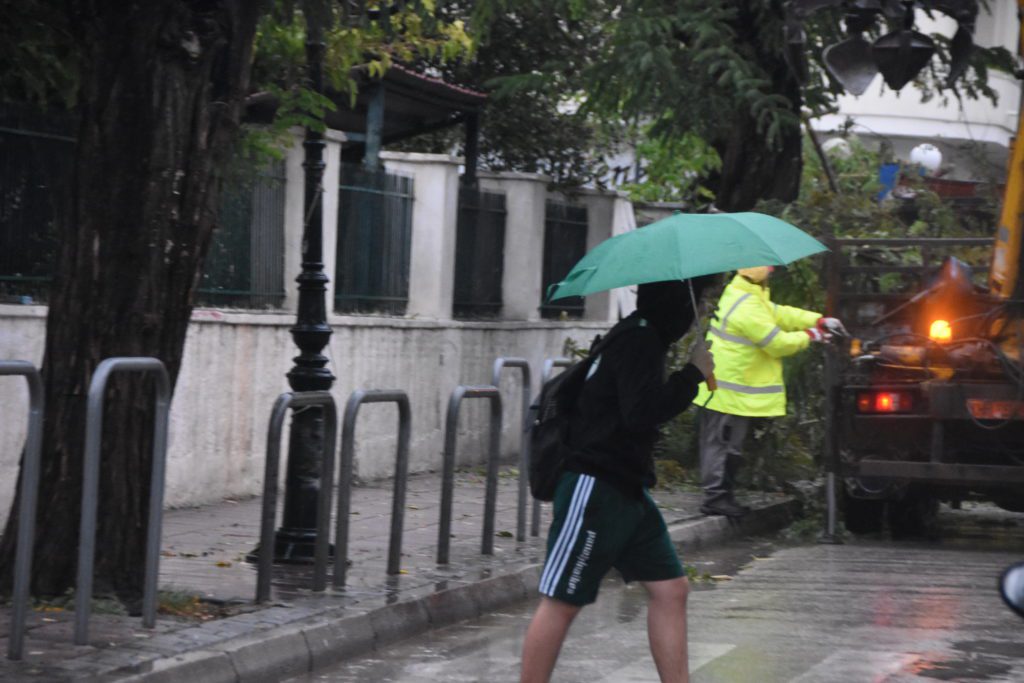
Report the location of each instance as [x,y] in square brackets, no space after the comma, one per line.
[414,103]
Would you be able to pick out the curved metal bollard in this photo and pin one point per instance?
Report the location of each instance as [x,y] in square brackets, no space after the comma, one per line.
[268,512]
[29,494]
[448,478]
[348,435]
[833,466]
[524,440]
[90,488]
[549,365]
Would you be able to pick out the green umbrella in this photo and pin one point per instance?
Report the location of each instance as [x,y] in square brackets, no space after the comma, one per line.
[686,245]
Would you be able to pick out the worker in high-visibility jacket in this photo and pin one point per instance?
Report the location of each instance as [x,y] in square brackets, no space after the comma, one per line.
[749,336]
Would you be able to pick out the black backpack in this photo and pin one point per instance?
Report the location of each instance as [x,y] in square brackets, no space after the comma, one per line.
[549,418]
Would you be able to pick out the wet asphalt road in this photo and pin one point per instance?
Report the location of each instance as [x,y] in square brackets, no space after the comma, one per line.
[872,610]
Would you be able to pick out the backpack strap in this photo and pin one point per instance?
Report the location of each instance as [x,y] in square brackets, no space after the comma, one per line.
[600,342]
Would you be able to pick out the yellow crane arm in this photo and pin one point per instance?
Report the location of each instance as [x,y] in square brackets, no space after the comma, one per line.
[1006,256]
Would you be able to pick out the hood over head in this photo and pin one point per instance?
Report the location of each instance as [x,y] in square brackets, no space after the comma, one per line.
[667,306]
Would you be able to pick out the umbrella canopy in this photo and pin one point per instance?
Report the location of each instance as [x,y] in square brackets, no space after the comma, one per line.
[686,245]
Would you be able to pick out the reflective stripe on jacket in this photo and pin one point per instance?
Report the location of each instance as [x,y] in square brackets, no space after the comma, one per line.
[748,339]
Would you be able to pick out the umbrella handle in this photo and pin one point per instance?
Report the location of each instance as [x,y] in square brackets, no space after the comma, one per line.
[710,381]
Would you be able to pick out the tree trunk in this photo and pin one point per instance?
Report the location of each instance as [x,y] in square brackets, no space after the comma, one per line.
[753,168]
[161,87]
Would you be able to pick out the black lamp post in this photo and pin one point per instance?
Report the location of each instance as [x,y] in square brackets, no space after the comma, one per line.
[294,541]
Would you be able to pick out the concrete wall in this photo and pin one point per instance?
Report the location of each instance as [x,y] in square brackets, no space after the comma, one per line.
[235,361]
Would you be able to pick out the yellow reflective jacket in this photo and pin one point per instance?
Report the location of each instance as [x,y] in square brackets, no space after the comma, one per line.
[748,338]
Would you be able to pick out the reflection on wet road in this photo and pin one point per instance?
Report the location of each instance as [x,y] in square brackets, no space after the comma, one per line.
[870,611]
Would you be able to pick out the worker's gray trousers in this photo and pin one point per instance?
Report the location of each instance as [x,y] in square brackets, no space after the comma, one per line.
[721,452]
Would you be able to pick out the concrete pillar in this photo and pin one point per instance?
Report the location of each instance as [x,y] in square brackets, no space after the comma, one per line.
[600,209]
[294,213]
[434,215]
[608,214]
[525,194]
[294,198]
[331,181]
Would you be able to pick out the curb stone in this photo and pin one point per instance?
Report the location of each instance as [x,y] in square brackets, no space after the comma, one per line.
[269,657]
[313,641]
[333,640]
[200,665]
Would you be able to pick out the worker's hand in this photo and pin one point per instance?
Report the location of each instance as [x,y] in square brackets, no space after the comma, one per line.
[701,358]
[832,326]
[817,335]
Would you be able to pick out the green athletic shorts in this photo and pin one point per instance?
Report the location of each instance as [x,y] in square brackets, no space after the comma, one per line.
[595,528]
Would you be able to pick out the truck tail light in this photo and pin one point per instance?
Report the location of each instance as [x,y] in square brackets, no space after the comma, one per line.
[884,402]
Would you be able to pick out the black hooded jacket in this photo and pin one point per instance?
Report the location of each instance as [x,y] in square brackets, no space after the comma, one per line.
[627,395]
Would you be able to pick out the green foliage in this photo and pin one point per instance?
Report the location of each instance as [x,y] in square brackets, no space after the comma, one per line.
[530,59]
[357,48]
[38,54]
[688,70]
[674,170]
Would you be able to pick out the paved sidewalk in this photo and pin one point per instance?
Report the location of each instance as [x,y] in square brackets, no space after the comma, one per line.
[204,553]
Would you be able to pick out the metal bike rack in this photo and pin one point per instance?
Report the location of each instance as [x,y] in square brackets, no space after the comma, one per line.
[448,478]
[348,436]
[524,440]
[831,383]
[29,494]
[268,512]
[91,481]
[549,366]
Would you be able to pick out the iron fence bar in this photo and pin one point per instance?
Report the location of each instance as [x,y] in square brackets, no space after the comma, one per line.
[268,510]
[90,488]
[524,440]
[549,366]
[29,495]
[34,134]
[348,431]
[448,476]
[25,278]
[373,190]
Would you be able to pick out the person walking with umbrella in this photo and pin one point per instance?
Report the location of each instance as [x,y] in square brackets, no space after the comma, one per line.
[750,336]
[603,516]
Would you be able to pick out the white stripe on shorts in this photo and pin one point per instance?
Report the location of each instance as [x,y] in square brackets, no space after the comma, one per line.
[567,536]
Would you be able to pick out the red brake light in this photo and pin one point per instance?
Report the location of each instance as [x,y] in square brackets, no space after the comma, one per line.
[884,402]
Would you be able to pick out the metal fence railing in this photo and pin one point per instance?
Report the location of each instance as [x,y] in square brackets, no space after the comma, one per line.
[374,241]
[479,254]
[244,267]
[565,243]
[36,158]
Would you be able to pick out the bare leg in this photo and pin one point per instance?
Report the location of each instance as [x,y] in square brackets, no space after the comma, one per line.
[666,628]
[544,638]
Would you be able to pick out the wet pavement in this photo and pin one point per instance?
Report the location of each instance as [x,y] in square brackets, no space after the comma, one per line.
[225,637]
[870,610]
